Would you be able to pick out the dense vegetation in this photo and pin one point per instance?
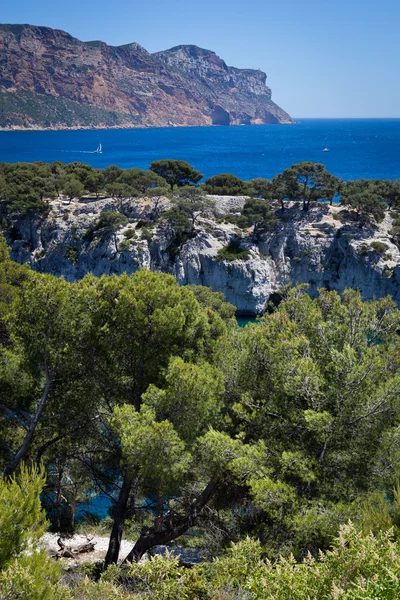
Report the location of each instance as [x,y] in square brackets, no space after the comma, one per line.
[279,439]
[269,438]
[26,187]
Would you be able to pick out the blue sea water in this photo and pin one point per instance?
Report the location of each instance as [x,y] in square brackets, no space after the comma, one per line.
[359,148]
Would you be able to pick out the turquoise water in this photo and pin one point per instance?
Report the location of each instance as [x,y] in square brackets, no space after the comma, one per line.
[359,148]
[243,321]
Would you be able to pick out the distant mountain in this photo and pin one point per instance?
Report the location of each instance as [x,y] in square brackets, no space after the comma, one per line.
[49,79]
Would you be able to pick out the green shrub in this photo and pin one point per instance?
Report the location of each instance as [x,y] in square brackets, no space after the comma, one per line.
[72,254]
[130,234]
[232,251]
[363,250]
[379,247]
[25,570]
[147,234]
[358,567]
[162,578]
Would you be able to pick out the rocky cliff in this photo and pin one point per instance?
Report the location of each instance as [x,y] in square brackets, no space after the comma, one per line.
[316,248]
[48,79]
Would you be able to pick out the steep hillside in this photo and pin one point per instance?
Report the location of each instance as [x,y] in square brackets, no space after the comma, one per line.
[49,79]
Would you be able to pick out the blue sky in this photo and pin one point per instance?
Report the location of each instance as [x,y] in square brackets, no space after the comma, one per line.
[323,58]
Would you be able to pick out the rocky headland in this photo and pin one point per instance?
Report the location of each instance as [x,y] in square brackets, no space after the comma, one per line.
[51,80]
[318,247]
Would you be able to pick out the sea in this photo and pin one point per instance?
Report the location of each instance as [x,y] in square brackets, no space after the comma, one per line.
[358,148]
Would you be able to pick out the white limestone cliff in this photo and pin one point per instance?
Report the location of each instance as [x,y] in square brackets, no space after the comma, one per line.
[316,248]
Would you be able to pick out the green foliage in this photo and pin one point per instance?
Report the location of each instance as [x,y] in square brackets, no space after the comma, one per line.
[124,245]
[72,187]
[147,234]
[44,110]
[72,254]
[374,247]
[213,302]
[232,251]
[226,185]
[367,198]
[176,172]
[95,182]
[192,203]
[110,220]
[261,188]
[25,571]
[283,430]
[259,214]
[22,521]
[32,576]
[182,218]
[108,223]
[357,567]
[129,234]
[306,182]
[25,188]
[192,400]
[153,447]
[162,578]
[142,181]
[379,247]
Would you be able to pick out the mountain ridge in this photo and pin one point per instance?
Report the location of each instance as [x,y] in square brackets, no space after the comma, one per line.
[51,80]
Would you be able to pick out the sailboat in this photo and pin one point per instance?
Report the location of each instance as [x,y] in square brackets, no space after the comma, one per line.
[98,150]
[326,149]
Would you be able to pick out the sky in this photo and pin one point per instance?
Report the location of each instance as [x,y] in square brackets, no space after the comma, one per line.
[323,58]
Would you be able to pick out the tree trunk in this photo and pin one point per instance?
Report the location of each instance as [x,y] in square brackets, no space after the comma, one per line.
[20,455]
[173,526]
[119,520]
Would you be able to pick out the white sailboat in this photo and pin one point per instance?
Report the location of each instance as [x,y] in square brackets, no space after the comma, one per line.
[98,150]
[326,149]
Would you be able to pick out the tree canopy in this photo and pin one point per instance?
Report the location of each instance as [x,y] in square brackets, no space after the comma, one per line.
[307,182]
[367,197]
[176,172]
[226,184]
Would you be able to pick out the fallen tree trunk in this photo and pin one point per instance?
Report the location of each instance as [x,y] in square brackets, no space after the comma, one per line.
[73,551]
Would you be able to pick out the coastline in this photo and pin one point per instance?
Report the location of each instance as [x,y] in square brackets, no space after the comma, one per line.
[111,127]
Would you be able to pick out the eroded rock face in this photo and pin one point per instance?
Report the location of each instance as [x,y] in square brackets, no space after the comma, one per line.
[49,79]
[314,248]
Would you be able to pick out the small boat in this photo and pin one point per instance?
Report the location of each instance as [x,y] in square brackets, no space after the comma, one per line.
[326,149]
[98,150]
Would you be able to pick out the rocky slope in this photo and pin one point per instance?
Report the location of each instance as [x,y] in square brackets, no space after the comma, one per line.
[48,79]
[316,248]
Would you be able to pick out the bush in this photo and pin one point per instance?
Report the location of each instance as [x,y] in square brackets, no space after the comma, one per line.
[129,234]
[125,245]
[147,234]
[358,567]
[363,250]
[25,570]
[232,251]
[379,247]
[72,254]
